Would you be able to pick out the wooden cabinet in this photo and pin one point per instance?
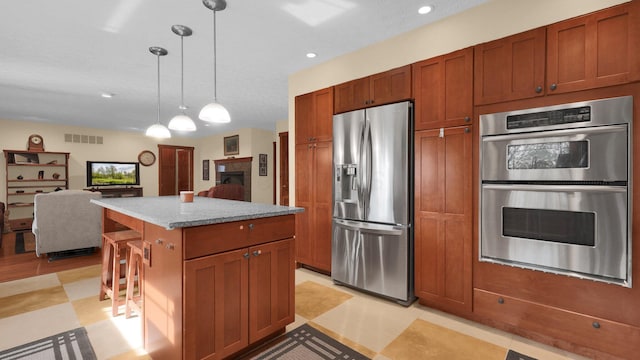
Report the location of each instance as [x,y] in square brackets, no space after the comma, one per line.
[314,115]
[29,173]
[595,50]
[510,68]
[443,219]
[383,88]
[591,51]
[443,90]
[314,175]
[237,298]
[212,291]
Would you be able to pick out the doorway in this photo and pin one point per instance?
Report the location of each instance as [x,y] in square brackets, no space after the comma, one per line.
[175,169]
[284,168]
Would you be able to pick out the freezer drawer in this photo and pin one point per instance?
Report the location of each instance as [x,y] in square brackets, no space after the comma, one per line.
[372,257]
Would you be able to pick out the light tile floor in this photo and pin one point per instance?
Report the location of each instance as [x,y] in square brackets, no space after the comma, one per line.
[41,306]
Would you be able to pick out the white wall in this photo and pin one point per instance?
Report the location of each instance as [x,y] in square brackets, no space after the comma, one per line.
[492,20]
[117,146]
[281,126]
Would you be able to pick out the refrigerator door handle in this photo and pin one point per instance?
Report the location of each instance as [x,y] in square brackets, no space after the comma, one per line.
[370,228]
[361,173]
[365,161]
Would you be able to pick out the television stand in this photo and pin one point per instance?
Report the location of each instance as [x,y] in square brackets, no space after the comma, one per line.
[116,192]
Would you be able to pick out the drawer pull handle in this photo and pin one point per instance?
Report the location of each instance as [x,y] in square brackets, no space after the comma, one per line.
[500,300]
[596,325]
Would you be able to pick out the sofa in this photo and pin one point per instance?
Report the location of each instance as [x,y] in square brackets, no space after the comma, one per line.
[66,220]
[225,191]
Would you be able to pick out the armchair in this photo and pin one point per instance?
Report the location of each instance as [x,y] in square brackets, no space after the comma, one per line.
[225,191]
[66,220]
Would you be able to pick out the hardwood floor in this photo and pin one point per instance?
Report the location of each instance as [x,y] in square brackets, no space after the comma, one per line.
[19,266]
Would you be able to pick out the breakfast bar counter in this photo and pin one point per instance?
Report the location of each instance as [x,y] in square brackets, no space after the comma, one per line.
[218,274]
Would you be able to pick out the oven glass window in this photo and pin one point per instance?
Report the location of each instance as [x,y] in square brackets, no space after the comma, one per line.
[568,227]
[548,155]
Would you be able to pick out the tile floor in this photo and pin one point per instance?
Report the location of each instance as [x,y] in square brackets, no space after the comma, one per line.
[44,305]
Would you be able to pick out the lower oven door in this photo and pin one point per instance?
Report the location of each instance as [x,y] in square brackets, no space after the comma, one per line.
[574,230]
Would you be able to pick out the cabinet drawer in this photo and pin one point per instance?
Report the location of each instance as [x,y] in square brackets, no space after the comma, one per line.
[20,224]
[216,238]
[580,329]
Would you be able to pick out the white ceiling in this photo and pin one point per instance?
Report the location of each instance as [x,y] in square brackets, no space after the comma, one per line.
[57,57]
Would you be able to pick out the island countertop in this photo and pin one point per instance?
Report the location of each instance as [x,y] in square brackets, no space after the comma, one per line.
[169,212]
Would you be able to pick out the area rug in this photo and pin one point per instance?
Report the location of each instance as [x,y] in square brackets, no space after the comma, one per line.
[307,343]
[69,345]
[25,242]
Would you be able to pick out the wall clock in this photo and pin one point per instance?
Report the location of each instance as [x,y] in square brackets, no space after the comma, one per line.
[147,158]
[35,143]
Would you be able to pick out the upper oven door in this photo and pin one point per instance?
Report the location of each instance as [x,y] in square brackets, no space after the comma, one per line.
[583,154]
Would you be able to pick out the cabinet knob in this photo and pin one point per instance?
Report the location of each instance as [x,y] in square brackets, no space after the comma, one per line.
[466,130]
[170,246]
[467,119]
[246,255]
[538,89]
[159,241]
[251,227]
[257,252]
[500,300]
[553,86]
[596,325]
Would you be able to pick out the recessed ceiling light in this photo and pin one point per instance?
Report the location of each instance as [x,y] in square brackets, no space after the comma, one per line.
[311,55]
[107,95]
[425,9]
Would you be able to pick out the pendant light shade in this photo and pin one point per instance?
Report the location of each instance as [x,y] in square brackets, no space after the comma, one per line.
[158,130]
[214,112]
[182,122]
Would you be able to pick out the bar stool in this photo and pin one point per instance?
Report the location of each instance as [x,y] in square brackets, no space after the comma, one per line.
[114,251]
[134,266]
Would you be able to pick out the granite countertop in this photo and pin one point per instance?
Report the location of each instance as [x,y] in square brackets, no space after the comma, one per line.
[170,212]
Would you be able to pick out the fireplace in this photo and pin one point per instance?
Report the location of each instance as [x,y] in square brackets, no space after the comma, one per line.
[235,171]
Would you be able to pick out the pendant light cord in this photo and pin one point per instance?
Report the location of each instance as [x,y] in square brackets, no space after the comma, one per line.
[215,58]
[158,56]
[182,107]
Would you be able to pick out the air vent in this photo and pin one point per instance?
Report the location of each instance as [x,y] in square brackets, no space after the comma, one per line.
[83,139]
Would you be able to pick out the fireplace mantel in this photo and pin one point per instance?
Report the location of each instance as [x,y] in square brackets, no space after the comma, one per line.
[232,160]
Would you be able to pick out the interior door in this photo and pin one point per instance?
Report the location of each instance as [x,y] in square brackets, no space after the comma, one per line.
[284,168]
[175,169]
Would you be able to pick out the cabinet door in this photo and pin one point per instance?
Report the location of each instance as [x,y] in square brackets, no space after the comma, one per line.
[314,115]
[390,86]
[351,95]
[271,288]
[304,199]
[323,197]
[216,305]
[443,208]
[442,87]
[595,50]
[510,68]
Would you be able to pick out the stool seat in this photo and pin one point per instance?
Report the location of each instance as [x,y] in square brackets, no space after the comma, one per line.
[135,267]
[114,252]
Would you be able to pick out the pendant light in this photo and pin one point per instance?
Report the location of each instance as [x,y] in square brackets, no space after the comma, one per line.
[182,122]
[158,130]
[214,112]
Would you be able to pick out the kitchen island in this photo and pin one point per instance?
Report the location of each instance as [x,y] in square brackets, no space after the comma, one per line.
[218,274]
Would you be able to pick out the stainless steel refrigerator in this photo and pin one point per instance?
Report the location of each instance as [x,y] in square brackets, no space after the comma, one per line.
[372,235]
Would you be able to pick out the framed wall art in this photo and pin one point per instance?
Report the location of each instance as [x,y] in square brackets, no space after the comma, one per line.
[205,169]
[262,165]
[231,145]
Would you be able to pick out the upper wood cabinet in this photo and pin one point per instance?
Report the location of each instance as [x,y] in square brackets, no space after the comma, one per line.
[442,87]
[314,116]
[590,51]
[383,88]
[510,68]
[595,50]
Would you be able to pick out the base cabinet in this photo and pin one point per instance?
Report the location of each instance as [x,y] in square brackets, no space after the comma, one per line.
[212,291]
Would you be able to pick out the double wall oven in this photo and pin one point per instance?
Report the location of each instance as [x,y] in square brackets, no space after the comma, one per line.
[556,189]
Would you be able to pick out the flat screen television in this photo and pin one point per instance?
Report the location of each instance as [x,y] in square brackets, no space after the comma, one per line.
[112,173]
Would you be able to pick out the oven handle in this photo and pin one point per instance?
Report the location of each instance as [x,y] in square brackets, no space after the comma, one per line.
[556,188]
[555,133]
